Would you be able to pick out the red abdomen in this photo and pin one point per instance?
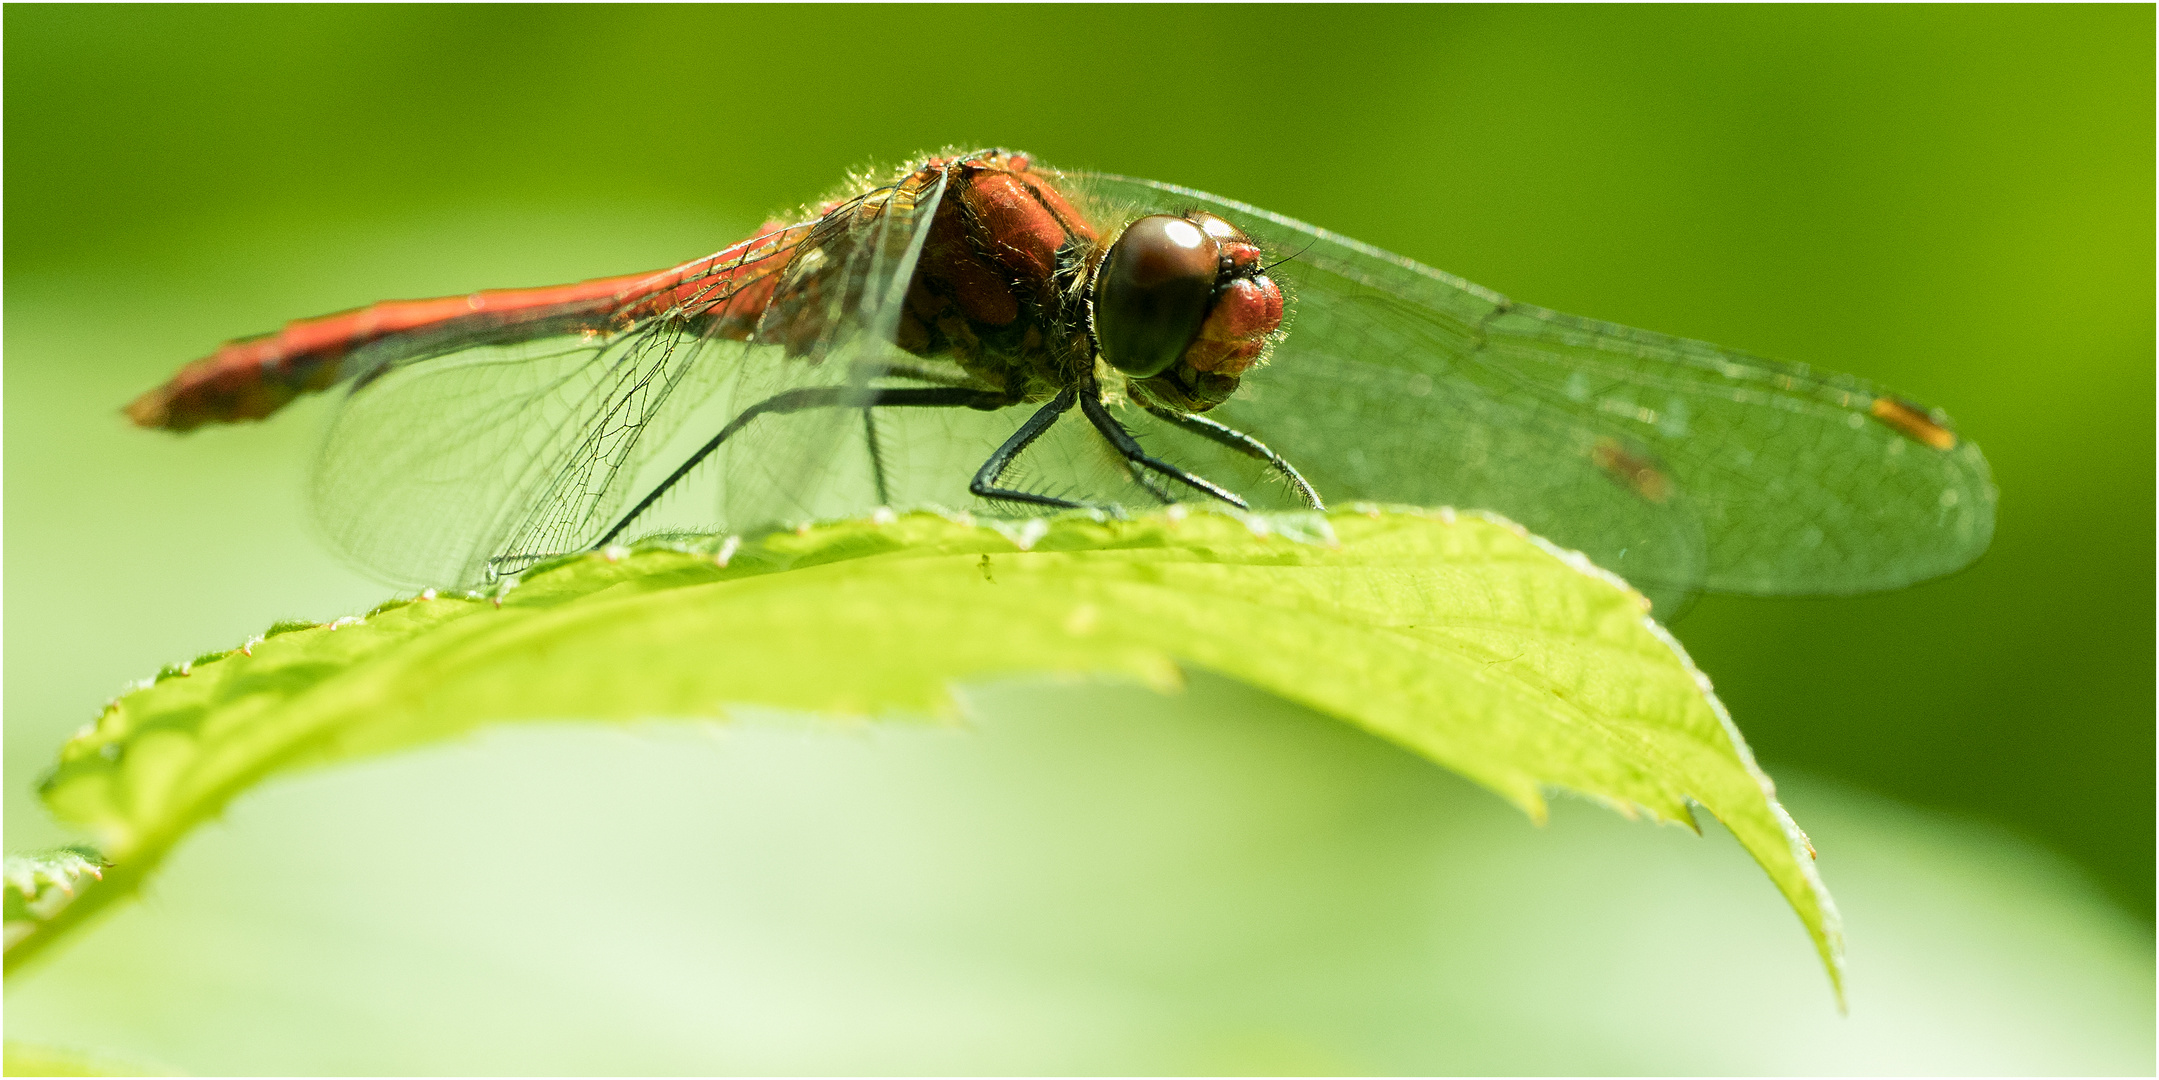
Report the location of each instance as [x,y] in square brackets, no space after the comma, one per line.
[251,378]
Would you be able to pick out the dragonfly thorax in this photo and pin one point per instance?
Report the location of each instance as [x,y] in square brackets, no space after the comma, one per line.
[997,290]
[1016,286]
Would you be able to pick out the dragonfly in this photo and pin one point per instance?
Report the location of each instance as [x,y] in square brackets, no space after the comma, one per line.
[980,332]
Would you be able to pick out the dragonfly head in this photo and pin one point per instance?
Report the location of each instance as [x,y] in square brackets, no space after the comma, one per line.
[1181,304]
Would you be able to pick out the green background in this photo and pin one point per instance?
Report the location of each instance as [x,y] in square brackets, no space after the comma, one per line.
[1956,202]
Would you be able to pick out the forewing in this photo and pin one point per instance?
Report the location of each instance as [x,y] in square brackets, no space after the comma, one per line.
[1674,463]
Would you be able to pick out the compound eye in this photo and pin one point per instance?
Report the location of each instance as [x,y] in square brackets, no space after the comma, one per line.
[1221,230]
[1153,292]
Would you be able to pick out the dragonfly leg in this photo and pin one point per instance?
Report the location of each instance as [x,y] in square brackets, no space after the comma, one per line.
[985,483]
[910,371]
[1216,431]
[1154,487]
[877,456]
[1090,401]
[811,397]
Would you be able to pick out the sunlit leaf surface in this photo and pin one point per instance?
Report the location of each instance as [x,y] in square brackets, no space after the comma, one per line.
[1459,637]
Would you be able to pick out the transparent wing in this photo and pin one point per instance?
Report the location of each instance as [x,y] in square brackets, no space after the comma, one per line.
[496,454]
[835,321]
[1675,463]
[453,465]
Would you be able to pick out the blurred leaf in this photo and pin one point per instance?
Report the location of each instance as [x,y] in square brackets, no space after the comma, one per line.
[31,1059]
[1459,637]
[39,885]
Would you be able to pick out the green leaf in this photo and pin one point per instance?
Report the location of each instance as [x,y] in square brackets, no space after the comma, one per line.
[1460,637]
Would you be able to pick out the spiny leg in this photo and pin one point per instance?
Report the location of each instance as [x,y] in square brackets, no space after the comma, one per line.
[985,484]
[1090,401]
[1154,487]
[1218,432]
[877,456]
[916,372]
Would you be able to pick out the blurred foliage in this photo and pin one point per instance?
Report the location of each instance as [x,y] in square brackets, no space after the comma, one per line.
[1954,201]
[38,885]
[31,1059]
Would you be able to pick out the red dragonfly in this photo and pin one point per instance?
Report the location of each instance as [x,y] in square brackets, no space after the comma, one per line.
[982,332]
